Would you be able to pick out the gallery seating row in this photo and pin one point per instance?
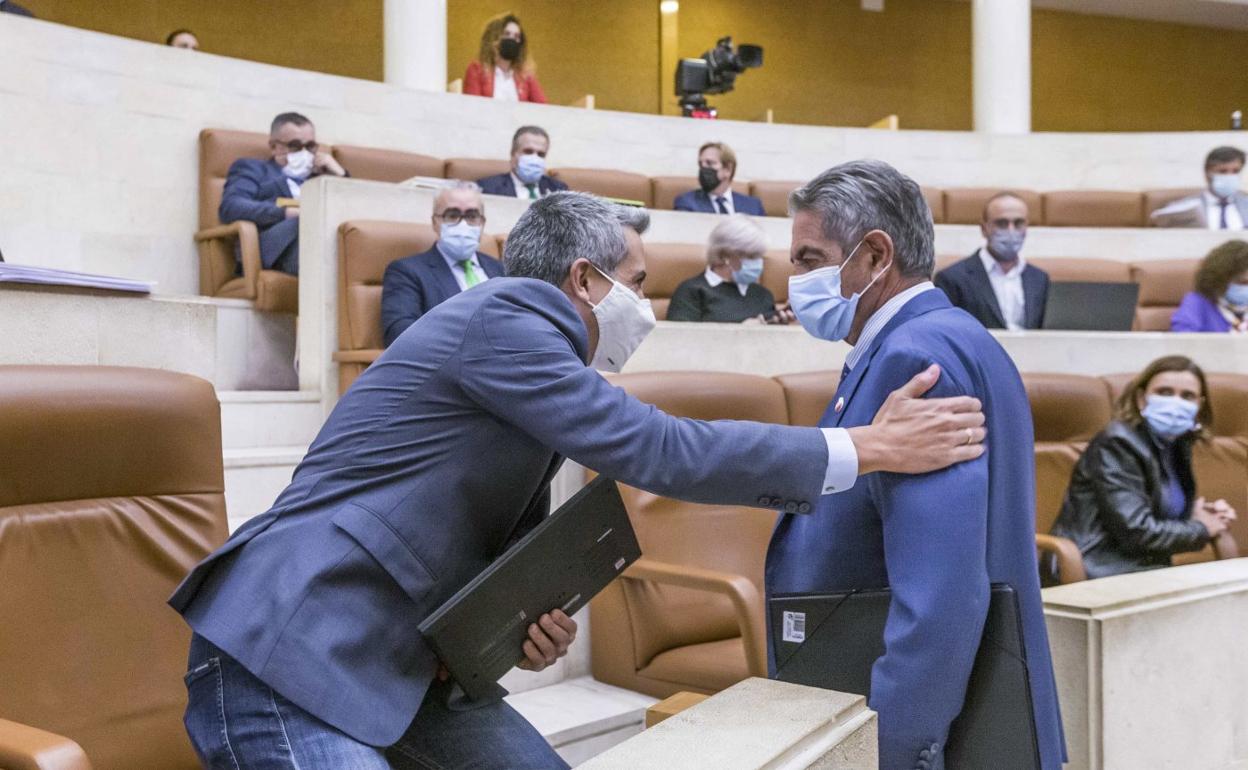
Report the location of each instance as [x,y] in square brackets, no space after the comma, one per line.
[366,247]
[689,614]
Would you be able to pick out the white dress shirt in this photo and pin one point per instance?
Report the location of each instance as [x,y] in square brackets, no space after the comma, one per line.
[715,279]
[727,202]
[880,318]
[457,269]
[1008,287]
[1213,212]
[505,86]
[522,191]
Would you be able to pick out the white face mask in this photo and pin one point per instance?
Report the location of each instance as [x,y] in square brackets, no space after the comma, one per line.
[624,320]
[298,164]
[1224,185]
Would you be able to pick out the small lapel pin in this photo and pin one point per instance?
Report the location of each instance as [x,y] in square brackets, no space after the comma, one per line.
[840,404]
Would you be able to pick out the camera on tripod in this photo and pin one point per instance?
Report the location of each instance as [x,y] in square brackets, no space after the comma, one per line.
[715,73]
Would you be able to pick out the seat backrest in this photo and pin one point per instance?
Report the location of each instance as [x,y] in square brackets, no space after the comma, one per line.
[1228,394]
[1075,269]
[935,198]
[1093,208]
[776,271]
[607,183]
[774,195]
[667,265]
[1155,199]
[218,149]
[1055,462]
[807,395]
[365,249]
[1162,283]
[965,205]
[664,190]
[1067,407]
[725,538]
[473,169]
[111,491]
[386,165]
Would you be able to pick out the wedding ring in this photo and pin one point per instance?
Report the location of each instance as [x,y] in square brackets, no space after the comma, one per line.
[970,436]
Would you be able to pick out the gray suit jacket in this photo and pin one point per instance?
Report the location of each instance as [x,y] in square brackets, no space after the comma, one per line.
[437,458]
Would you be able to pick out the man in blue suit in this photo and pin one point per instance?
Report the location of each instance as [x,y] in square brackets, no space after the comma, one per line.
[527,178]
[717,165]
[306,651]
[253,187]
[412,286]
[996,284]
[862,248]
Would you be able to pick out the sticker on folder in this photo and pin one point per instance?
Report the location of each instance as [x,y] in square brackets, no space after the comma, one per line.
[794,627]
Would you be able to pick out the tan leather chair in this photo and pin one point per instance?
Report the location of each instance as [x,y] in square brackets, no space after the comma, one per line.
[776,271]
[935,198]
[1080,269]
[1162,286]
[965,205]
[386,165]
[607,183]
[1156,199]
[774,195]
[474,169]
[1093,208]
[365,249]
[271,290]
[666,188]
[111,492]
[689,614]
[807,395]
[667,266]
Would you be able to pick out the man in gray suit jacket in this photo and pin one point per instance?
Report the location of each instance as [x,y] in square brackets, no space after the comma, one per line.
[306,651]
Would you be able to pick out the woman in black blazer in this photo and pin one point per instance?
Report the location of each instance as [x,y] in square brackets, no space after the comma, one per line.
[1132,501]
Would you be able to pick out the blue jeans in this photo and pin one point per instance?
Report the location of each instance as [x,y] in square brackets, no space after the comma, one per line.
[237,722]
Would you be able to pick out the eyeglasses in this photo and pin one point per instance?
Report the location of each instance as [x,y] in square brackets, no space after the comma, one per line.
[455,216]
[294,145]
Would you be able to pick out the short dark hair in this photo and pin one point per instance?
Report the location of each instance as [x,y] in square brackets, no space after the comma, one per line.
[184,31]
[999,196]
[288,117]
[1219,155]
[1128,408]
[1219,267]
[522,130]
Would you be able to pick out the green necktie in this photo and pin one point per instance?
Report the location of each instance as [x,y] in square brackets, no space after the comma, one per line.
[532,188]
[470,273]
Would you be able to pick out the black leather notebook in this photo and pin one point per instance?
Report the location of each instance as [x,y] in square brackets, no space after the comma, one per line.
[561,564]
[832,640]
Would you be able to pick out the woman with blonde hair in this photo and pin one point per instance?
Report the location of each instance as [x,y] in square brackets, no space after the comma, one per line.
[503,68]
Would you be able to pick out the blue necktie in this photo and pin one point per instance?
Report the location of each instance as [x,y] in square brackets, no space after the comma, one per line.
[719,202]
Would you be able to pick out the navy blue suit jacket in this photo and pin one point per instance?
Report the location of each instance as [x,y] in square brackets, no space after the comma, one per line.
[438,457]
[966,284]
[501,184]
[938,540]
[696,200]
[251,188]
[412,286]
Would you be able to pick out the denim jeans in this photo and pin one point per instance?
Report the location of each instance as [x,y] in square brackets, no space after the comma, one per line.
[237,722]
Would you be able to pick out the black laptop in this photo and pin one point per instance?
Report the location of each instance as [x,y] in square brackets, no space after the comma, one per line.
[1090,306]
[561,564]
[832,640]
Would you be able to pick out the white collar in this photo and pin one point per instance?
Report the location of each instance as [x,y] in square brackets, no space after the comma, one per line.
[715,279]
[993,266]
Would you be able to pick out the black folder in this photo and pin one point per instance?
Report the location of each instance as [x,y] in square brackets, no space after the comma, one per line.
[561,564]
[831,640]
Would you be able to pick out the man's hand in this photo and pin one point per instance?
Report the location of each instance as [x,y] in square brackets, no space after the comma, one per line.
[549,639]
[325,164]
[911,434]
[1216,516]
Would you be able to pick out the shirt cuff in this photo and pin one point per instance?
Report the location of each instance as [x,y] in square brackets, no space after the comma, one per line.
[842,470]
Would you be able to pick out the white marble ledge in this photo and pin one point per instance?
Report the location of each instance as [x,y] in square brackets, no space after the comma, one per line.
[1143,591]
[580,708]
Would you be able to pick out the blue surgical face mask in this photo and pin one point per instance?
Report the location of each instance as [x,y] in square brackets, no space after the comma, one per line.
[1170,416]
[1224,185]
[459,241]
[817,302]
[1004,245]
[530,167]
[751,270]
[1237,294]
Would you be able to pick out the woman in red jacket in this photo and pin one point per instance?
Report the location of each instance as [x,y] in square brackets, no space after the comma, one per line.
[503,69]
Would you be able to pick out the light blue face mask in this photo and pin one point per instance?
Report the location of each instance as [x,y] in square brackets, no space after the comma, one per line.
[1224,185]
[530,167]
[1237,294]
[751,270]
[817,302]
[1170,416]
[459,241]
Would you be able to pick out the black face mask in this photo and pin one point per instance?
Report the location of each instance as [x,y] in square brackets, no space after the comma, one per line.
[509,48]
[708,179]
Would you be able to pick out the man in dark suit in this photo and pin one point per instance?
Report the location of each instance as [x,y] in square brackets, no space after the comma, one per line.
[412,286]
[527,178]
[253,188]
[717,165]
[305,652]
[937,541]
[8,6]
[995,284]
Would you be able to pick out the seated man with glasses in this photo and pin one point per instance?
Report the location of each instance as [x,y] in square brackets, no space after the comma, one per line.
[412,286]
[255,189]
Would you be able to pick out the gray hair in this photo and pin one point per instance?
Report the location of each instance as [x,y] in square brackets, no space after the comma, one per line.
[458,184]
[737,234]
[863,195]
[562,227]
